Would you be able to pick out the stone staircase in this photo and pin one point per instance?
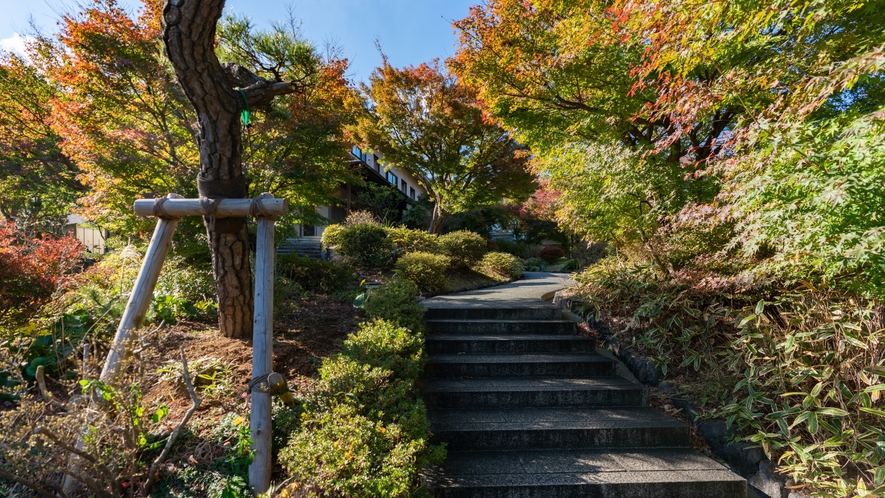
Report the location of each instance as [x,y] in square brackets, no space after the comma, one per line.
[527,408]
[310,247]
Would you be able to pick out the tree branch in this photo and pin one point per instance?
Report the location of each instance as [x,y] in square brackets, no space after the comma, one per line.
[258,90]
[24,482]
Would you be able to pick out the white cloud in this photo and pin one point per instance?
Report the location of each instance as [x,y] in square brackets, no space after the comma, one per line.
[15,43]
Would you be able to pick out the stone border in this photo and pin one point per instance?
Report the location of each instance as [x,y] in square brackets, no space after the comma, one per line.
[745,460]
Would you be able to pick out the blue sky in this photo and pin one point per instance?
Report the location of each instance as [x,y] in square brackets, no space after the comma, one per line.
[410,31]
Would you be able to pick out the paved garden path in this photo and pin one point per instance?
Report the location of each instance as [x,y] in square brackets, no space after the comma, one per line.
[528,408]
[527,292]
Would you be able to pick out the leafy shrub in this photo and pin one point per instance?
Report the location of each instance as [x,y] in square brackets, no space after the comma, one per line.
[491,245]
[416,217]
[551,253]
[534,264]
[365,433]
[331,236]
[315,275]
[366,245]
[532,251]
[381,344]
[465,248]
[31,271]
[427,270]
[502,264]
[346,453]
[409,240]
[396,302]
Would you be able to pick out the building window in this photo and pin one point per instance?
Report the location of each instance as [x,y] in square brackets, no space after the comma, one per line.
[412,193]
[403,185]
[392,178]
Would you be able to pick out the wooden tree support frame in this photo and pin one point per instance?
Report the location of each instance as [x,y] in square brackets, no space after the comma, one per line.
[169,210]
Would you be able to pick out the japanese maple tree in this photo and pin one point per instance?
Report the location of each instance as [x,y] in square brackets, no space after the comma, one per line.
[424,120]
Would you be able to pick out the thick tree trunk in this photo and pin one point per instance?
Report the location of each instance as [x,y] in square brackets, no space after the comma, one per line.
[189,36]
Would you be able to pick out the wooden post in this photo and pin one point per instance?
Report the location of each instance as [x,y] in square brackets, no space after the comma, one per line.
[262,356]
[142,291]
[136,308]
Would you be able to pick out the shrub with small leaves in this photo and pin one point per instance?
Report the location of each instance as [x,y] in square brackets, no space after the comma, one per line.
[314,275]
[383,344]
[31,270]
[365,433]
[503,264]
[396,302]
[551,253]
[409,240]
[427,270]
[331,236]
[465,248]
[515,248]
[366,245]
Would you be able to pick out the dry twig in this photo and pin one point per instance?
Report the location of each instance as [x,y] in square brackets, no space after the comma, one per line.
[41,383]
[187,416]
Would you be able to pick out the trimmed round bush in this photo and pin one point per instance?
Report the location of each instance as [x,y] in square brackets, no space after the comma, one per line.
[551,253]
[465,248]
[503,264]
[331,236]
[427,270]
[366,246]
[409,240]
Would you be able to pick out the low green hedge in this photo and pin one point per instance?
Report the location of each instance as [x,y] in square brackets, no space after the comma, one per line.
[502,264]
[365,245]
[464,248]
[427,270]
[408,240]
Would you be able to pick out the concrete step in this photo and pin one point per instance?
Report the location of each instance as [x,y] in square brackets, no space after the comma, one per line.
[541,312]
[533,392]
[519,365]
[309,247]
[556,428]
[500,327]
[610,473]
[507,344]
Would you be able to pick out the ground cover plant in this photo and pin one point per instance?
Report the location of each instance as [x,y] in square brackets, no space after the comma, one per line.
[797,370]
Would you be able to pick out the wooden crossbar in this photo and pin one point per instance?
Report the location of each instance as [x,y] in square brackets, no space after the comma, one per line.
[222,208]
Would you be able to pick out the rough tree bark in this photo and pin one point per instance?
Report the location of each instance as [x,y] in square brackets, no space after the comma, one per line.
[189,37]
